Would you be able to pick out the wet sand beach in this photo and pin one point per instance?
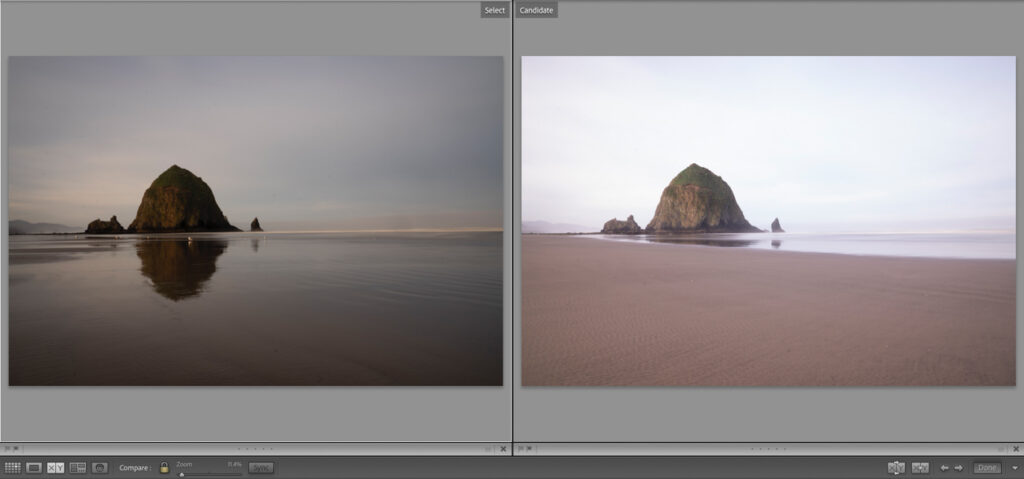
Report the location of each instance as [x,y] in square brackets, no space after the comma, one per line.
[235,309]
[606,313]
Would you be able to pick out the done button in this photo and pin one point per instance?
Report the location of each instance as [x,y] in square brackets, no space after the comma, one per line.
[988,468]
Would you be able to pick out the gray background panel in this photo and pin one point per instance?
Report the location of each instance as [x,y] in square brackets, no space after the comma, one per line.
[545,414]
[243,413]
[769,414]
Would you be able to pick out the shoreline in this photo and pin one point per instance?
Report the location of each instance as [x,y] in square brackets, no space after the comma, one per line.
[965,244]
[797,252]
[601,313]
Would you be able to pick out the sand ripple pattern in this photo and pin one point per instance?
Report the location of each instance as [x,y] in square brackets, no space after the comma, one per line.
[606,313]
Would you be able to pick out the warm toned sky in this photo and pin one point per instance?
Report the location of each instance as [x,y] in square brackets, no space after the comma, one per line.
[823,143]
[300,142]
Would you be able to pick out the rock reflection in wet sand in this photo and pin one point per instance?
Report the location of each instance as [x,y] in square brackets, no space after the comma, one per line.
[179,269]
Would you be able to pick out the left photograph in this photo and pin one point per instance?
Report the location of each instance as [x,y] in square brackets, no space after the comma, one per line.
[255,221]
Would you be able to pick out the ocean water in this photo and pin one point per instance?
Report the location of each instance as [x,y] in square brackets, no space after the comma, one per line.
[270,309]
[976,245]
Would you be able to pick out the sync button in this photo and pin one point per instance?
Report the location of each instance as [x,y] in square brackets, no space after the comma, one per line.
[261,468]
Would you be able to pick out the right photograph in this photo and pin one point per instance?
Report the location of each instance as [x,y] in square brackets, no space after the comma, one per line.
[768,221]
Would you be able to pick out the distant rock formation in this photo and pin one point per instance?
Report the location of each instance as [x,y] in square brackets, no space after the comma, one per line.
[616,227]
[698,201]
[179,201]
[255,225]
[99,226]
[776,227]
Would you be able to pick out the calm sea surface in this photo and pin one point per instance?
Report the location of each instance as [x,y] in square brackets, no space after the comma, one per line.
[257,309]
[936,245]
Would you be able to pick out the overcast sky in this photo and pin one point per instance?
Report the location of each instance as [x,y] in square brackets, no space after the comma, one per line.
[823,143]
[300,142]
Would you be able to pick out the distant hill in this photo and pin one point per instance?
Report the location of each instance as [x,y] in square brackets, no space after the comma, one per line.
[21,227]
[546,227]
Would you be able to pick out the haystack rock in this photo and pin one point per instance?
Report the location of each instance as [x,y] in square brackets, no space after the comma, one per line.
[616,227]
[698,201]
[776,227]
[179,201]
[255,225]
[99,226]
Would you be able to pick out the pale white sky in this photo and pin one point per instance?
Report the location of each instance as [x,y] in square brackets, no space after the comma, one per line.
[823,143]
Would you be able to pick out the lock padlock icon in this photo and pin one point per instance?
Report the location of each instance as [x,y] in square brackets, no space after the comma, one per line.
[164,468]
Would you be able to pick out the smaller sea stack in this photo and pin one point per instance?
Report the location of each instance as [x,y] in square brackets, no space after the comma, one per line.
[776,227]
[616,227]
[99,226]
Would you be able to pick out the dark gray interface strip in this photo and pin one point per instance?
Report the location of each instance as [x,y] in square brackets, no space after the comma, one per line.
[513,466]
